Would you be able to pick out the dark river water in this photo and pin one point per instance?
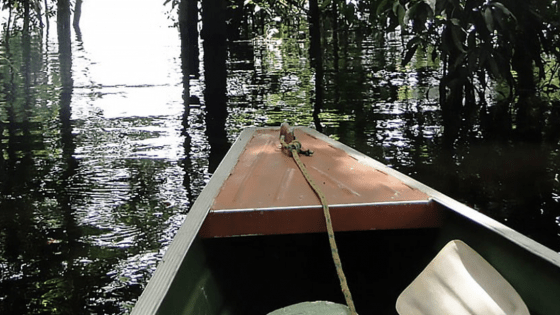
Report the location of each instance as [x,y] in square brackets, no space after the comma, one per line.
[100,164]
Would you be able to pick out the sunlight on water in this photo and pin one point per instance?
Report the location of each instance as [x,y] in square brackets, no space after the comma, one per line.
[127,110]
[128,42]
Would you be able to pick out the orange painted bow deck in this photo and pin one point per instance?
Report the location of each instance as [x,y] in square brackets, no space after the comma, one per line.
[265,193]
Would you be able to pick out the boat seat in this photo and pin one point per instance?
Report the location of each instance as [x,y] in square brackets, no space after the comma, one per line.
[459,281]
[313,308]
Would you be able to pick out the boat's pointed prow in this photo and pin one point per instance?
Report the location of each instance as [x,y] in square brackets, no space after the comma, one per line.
[265,192]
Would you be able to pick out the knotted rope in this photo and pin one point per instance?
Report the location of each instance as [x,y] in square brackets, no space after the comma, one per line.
[293,146]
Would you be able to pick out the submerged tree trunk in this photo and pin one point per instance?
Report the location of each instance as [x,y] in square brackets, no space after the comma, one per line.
[77,16]
[77,13]
[26,49]
[453,83]
[188,54]
[64,44]
[336,54]
[72,300]
[65,60]
[185,55]
[335,30]
[188,30]
[47,23]
[529,105]
[214,35]
[527,50]
[316,57]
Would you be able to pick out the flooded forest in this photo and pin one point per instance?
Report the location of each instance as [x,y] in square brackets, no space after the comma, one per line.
[115,114]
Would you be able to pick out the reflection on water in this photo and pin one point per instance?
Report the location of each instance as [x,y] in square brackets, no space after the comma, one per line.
[99,168]
[271,87]
[93,174]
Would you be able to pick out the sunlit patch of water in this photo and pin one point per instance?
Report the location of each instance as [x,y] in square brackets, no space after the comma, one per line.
[127,185]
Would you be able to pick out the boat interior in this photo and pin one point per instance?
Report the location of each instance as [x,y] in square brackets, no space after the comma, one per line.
[259,274]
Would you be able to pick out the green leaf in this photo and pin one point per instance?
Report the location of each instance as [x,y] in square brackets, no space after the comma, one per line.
[324,4]
[445,45]
[415,41]
[431,4]
[472,61]
[396,4]
[456,22]
[503,8]
[381,7]
[456,35]
[494,70]
[409,54]
[489,18]
[349,13]
[471,39]
[434,55]
[503,16]
[458,62]
[482,57]
[411,12]
[400,12]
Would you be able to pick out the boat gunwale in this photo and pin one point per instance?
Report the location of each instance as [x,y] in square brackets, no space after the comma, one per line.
[159,284]
[446,201]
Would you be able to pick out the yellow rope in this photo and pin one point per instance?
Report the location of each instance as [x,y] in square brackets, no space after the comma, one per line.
[326,212]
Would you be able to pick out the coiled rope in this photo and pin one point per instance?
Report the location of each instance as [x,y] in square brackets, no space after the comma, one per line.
[293,146]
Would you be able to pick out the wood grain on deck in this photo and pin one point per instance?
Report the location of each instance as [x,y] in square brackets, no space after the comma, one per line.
[266,177]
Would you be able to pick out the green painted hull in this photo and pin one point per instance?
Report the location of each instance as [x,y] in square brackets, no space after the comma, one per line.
[258,274]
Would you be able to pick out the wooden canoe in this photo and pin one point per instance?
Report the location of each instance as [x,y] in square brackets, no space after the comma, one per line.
[255,241]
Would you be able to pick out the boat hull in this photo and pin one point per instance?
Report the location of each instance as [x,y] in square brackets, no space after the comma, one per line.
[273,264]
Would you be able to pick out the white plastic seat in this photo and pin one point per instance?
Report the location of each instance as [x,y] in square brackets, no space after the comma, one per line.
[459,281]
[313,308]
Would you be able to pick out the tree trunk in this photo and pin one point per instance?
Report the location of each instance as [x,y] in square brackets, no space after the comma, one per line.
[316,58]
[77,16]
[215,74]
[529,104]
